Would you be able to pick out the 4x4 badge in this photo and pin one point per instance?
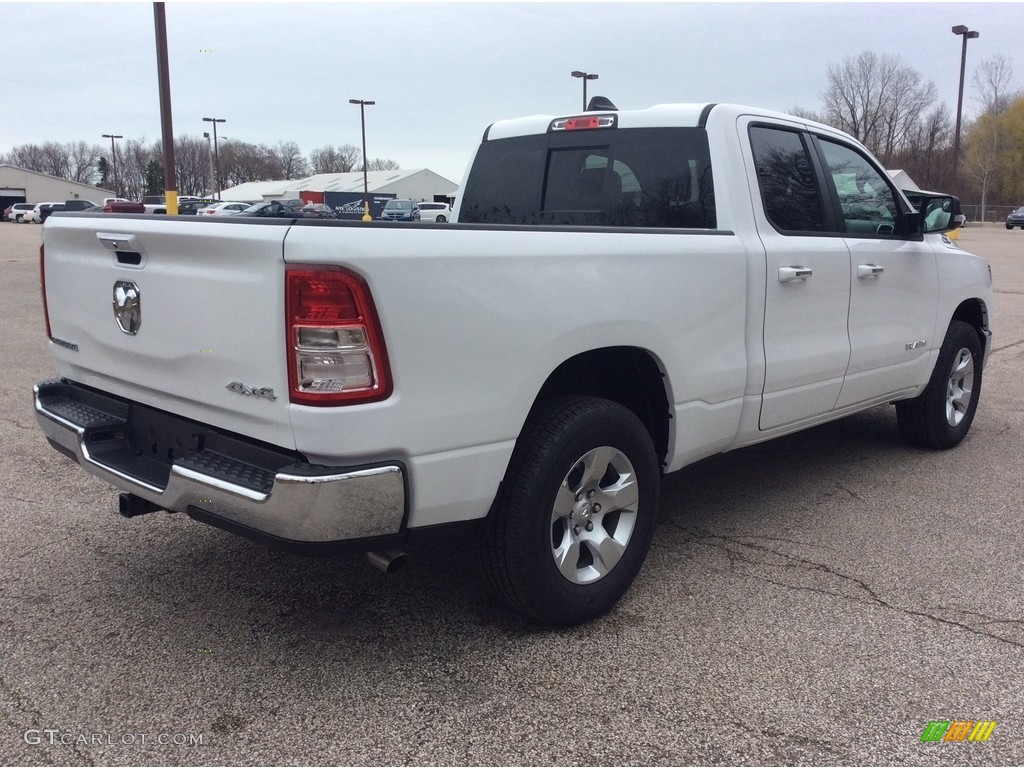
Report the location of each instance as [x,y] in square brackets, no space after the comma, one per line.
[127,306]
[242,389]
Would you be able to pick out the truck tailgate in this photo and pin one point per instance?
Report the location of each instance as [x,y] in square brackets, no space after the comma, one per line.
[209,332]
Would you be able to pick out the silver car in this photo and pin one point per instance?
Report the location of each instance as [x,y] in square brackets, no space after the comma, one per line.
[1016,219]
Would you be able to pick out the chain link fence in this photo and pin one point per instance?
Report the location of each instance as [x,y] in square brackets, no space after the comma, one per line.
[993,213]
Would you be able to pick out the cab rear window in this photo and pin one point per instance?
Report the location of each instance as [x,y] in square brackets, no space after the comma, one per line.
[635,177]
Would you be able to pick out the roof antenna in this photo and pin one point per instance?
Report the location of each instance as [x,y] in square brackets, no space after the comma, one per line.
[601,104]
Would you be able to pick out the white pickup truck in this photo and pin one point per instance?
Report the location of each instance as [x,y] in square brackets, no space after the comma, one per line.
[624,293]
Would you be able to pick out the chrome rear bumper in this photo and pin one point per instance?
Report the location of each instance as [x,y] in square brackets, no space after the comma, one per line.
[269,491]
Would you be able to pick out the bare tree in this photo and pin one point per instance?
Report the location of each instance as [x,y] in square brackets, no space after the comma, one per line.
[877,99]
[74,161]
[133,160]
[241,162]
[288,161]
[928,147]
[379,164]
[996,91]
[192,165]
[84,162]
[331,159]
[27,156]
[806,114]
[136,163]
[993,83]
[56,160]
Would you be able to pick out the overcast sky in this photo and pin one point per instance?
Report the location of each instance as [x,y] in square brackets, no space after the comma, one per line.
[441,72]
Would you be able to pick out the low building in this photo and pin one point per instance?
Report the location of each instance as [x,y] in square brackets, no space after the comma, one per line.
[18,185]
[902,179]
[344,191]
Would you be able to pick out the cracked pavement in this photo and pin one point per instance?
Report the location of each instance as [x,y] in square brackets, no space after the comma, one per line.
[816,600]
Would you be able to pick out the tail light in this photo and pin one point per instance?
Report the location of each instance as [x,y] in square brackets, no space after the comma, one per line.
[42,288]
[336,353]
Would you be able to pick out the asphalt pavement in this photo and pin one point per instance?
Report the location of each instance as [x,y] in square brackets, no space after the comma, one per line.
[816,600]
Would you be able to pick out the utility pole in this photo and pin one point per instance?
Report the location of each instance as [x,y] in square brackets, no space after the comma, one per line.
[166,130]
[968,34]
[362,119]
[584,76]
[216,153]
[209,156]
[113,159]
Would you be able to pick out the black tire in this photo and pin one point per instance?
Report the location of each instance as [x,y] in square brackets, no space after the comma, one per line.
[440,220]
[941,416]
[550,508]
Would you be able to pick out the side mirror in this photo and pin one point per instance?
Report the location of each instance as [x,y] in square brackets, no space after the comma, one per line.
[939,213]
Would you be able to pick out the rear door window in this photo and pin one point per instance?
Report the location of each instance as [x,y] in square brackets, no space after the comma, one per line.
[787,181]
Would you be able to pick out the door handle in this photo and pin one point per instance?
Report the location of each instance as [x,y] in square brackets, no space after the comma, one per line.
[869,270]
[792,274]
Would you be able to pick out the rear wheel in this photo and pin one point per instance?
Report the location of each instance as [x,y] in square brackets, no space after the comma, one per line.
[941,416]
[441,219]
[575,513]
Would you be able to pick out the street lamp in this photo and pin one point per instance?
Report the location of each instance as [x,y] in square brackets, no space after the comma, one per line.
[209,156]
[216,155]
[366,190]
[113,158]
[584,76]
[967,34]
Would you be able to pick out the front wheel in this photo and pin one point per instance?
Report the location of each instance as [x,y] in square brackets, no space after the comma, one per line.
[941,416]
[575,514]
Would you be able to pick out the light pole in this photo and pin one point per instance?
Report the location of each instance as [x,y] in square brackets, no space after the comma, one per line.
[967,34]
[362,120]
[113,158]
[209,156]
[216,155]
[584,76]
[163,72]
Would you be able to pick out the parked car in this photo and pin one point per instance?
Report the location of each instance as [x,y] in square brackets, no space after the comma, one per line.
[80,205]
[120,205]
[195,206]
[1016,219]
[400,210]
[154,204]
[223,208]
[439,212]
[17,212]
[318,211]
[67,205]
[35,216]
[276,208]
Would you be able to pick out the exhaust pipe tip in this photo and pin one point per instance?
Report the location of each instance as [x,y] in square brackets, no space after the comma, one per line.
[390,561]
